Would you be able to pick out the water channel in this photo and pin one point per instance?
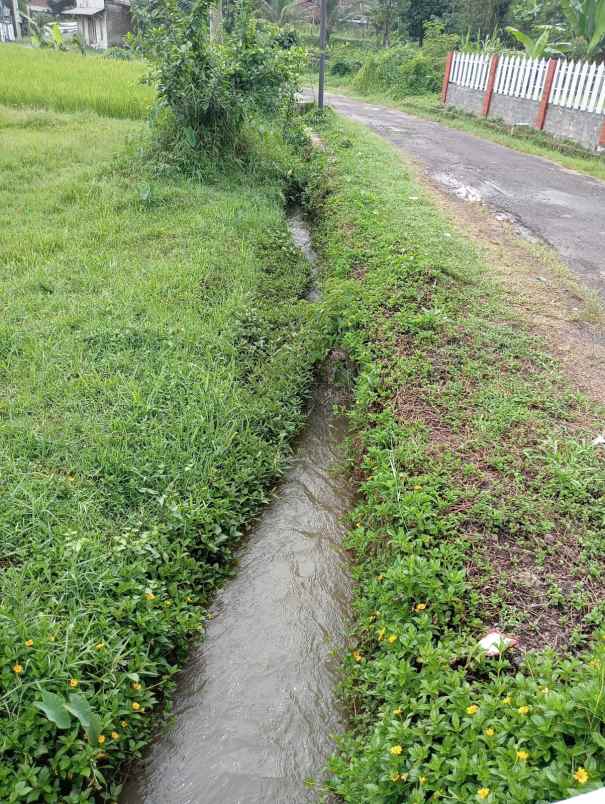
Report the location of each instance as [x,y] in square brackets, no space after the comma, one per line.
[255,708]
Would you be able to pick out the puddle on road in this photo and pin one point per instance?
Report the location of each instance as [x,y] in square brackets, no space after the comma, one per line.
[255,707]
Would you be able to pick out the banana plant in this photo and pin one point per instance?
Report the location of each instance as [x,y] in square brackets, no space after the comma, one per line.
[534,48]
[586,19]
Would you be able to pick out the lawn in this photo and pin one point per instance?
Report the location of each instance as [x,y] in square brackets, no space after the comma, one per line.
[155,353]
[480,505]
[69,82]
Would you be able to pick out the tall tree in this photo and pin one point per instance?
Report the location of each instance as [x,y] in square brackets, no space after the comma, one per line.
[479,15]
[389,16]
[422,10]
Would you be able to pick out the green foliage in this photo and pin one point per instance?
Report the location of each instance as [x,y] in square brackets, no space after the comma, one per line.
[212,85]
[343,61]
[467,442]
[586,20]
[156,352]
[534,48]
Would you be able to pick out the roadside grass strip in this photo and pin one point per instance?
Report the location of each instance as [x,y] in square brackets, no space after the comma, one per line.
[69,82]
[481,507]
[156,352]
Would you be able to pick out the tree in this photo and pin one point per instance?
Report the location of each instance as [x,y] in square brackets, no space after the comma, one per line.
[479,16]
[423,10]
[586,20]
[388,16]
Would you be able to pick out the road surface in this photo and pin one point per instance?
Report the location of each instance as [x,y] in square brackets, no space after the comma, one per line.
[561,207]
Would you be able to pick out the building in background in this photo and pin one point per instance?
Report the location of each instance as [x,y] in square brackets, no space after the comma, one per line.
[101,23]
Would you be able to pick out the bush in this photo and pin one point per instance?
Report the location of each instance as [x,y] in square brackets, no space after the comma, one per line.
[211,87]
[343,61]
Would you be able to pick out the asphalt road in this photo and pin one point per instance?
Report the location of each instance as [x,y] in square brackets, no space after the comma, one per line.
[561,207]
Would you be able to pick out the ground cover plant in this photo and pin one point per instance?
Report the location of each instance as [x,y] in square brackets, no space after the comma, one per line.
[69,82]
[155,354]
[481,506]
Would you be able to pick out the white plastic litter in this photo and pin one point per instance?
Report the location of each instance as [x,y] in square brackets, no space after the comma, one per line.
[599,441]
[496,643]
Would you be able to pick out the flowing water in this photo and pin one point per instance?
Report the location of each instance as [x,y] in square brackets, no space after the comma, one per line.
[255,707]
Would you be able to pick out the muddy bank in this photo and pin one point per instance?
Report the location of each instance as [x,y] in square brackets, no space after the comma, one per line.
[255,708]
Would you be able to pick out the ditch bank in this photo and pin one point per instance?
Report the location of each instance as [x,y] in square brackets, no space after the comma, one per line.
[255,708]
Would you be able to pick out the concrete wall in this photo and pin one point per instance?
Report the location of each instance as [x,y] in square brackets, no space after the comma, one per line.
[581,127]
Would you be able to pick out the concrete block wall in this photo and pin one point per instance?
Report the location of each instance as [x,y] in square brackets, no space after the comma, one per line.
[583,127]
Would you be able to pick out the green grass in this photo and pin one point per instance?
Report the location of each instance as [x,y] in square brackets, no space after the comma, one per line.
[155,354]
[520,138]
[480,505]
[69,82]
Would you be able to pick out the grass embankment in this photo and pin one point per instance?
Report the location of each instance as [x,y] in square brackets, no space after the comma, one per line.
[155,352]
[520,138]
[481,505]
[69,82]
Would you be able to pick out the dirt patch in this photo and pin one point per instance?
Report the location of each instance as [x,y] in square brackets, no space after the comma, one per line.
[538,287]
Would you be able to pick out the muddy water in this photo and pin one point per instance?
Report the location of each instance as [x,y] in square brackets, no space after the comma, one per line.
[255,708]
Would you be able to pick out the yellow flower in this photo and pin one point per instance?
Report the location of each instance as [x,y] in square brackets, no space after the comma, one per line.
[149,596]
[52,638]
[357,656]
[395,777]
[544,690]
[420,606]
[396,750]
[423,780]
[17,668]
[136,685]
[508,700]
[595,663]
[472,709]
[581,776]
[380,578]
[483,792]
[489,732]
[101,738]
[136,706]
[115,735]
[392,638]
[417,488]
[73,683]
[99,646]
[124,724]
[168,603]
[522,756]
[29,643]
[397,711]
[523,710]
[381,633]
[189,598]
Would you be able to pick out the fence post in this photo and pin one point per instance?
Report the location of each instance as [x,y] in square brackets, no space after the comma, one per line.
[491,82]
[548,82]
[602,137]
[446,78]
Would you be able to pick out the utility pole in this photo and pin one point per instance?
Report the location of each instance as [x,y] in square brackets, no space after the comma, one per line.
[323,19]
[16,20]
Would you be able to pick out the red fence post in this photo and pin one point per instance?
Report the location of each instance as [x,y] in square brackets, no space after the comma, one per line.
[491,83]
[548,82]
[602,137]
[446,78]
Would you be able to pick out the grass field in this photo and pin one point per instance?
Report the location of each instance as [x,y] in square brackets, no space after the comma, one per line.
[155,355]
[69,82]
[480,505]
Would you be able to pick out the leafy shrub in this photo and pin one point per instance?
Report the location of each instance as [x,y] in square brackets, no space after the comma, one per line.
[211,86]
[343,61]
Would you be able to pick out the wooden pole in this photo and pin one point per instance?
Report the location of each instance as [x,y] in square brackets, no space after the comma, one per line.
[323,19]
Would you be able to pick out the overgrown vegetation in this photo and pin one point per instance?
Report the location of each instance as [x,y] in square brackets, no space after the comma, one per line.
[481,506]
[156,351]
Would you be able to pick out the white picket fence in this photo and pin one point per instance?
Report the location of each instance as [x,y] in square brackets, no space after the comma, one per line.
[577,84]
[7,33]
